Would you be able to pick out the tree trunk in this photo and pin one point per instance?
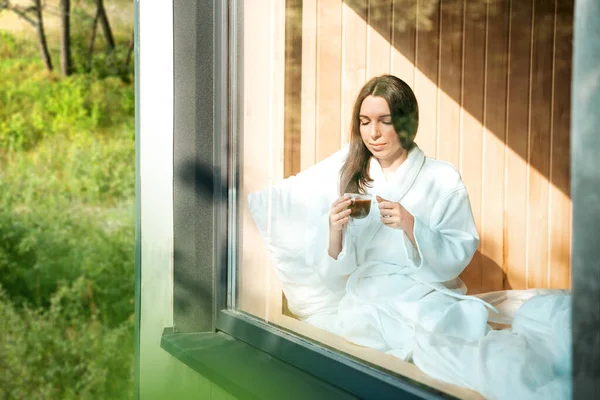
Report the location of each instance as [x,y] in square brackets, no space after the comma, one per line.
[65,38]
[130,48]
[108,36]
[42,36]
[93,39]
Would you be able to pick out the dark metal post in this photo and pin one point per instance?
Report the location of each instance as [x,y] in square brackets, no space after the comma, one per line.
[585,181]
[194,165]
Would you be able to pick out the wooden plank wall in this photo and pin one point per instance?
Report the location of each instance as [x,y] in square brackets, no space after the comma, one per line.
[262,160]
[493,82]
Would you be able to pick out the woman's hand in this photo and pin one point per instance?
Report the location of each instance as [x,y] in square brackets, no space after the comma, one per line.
[397,217]
[338,218]
[340,214]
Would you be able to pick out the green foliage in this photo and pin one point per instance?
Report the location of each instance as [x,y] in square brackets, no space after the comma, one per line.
[12,48]
[84,168]
[103,64]
[62,353]
[67,187]
[35,104]
[41,245]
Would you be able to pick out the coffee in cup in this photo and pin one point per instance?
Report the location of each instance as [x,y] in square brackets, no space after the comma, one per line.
[360,205]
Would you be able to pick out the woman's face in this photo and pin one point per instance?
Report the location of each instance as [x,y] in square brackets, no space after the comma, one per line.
[377,130]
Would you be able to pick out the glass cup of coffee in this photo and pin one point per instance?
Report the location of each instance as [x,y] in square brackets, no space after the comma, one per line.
[360,205]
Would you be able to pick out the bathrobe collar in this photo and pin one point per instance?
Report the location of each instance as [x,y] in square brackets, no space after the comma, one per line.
[402,179]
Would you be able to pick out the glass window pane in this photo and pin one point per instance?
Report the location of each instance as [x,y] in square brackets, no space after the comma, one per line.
[465,233]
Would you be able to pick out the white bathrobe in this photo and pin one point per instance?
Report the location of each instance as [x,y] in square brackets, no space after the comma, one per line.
[381,288]
[393,288]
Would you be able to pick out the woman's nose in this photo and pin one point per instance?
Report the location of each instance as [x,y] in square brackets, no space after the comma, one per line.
[375,133]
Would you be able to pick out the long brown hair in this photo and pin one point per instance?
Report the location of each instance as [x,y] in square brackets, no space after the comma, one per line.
[354,176]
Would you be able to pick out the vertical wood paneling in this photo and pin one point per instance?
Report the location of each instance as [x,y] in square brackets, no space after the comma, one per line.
[354,58]
[472,129]
[483,79]
[426,74]
[404,23]
[450,74]
[308,135]
[262,143]
[492,243]
[293,83]
[276,76]
[560,203]
[251,276]
[329,82]
[517,144]
[539,143]
[493,84]
[379,37]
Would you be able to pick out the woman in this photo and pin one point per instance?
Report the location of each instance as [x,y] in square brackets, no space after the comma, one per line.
[401,262]
[390,281]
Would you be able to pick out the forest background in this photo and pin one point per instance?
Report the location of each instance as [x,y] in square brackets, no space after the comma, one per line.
[67,208]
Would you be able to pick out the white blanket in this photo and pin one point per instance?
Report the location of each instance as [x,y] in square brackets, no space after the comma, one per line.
[382,291]
[532,360]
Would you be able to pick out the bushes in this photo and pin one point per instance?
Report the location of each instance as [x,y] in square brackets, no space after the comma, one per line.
[66,210]
[85,168]
[35,104]
[62,353]
[41,246]
[67,162]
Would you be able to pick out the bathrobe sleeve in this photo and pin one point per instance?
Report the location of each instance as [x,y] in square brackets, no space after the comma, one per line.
[327,266]
[345,263]
[446,245]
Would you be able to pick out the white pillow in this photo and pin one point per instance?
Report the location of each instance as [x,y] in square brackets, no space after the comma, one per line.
[292,217]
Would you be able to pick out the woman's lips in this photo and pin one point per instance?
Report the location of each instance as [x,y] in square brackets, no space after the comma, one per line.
[378,147]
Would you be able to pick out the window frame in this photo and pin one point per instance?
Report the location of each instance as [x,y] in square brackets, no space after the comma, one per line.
[201,223]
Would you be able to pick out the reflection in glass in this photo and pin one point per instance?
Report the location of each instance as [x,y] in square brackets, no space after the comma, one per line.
[463,205]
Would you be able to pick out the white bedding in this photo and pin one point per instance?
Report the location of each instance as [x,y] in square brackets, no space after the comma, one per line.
[289,216]
[532,360]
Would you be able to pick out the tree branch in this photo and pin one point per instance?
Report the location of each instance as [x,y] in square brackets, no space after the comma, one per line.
[21,12]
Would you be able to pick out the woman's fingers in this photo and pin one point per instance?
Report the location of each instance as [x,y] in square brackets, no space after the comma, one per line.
[388,205]
[340,201]
[389,212]
[394,215]
[339,224]
[340,205]
[392,222]
[342,221]
[342,214]
[389,217]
